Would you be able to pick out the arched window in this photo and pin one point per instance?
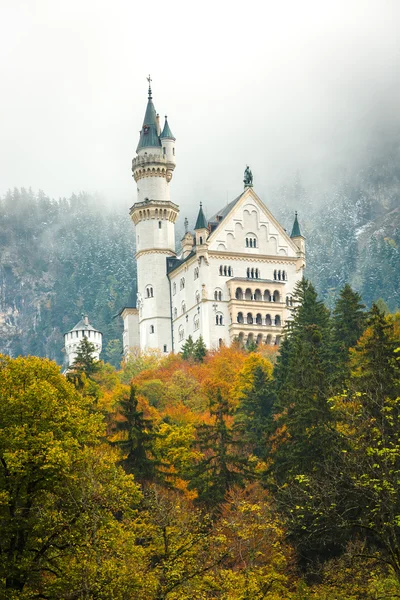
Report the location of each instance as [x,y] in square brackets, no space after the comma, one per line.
[259,319]
[277,321]
[183,307]
[151,328]
[252,273]
[275,274]
[149,293]
[241,337]
[181,333]
[182,283]
[220,270]
[220,296]
[197,297]
[248,273]
[220,342]
[174,289]
[254,243]
[239,294]
[249,318]
[175,313]
[215,295]
[196,322]
[268,320]
[279,275]
[283,275]
[259,339]
[200,240]
[248,294]
[278,340]
[219,319]
[269,339]
[159,224]
[240,318]
[257,295]
[251,243]
[230,271]
[247,242]
[225,271]
[276,296]
[196,273]
[267,296]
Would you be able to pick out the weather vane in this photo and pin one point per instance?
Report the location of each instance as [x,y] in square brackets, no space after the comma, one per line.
[149,79]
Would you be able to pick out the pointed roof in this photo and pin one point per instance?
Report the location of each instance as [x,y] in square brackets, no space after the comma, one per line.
[148,133]
[201,222]
[166,132]
[296,227]
[83,324]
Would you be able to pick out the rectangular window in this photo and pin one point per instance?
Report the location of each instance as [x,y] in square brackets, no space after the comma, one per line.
[165,347]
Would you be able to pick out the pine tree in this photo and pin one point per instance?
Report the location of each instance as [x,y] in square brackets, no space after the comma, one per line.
[222,465]
[303,379]
[349,321]
[199,350]
[188,348]
[138,439]
[84,361]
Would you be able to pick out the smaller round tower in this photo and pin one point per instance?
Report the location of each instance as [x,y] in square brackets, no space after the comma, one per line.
[74,337]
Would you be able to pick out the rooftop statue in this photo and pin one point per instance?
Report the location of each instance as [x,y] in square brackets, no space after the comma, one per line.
[248,177]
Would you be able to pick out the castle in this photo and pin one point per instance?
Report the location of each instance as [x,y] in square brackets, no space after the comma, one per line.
[234,275]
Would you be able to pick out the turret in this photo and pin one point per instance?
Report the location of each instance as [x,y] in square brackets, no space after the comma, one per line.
[154,216]
[73,338]
[298,239]
[154,164]
[201,227]
[168,143]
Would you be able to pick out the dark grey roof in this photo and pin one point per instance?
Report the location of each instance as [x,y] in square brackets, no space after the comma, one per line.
[296,227]
[148,133]
[81,325]
[201,222]
[173,263]
[221,214]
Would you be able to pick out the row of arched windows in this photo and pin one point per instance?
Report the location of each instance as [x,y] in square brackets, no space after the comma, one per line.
[269,339]
[253,274]
[219,320]
[257,295]
[251,242]
[218,295]
[226,271]
[149,291]
[259,320]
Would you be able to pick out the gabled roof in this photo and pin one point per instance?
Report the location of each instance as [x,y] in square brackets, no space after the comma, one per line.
[148,133]
[221,214]
[201,222]
[296,227]
[166,132]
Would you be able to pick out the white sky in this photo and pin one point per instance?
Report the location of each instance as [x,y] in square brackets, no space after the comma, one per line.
[281,85]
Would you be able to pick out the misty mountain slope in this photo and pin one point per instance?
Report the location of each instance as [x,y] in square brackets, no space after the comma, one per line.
[59,260]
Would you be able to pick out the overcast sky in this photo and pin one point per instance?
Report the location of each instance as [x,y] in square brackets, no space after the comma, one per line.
[280,85]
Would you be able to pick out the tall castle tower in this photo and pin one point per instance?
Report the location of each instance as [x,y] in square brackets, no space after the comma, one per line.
[154,216]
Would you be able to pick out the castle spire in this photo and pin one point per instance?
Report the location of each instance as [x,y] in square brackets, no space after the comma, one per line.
[166,132]
[201,222]
[149,132]
[296,227]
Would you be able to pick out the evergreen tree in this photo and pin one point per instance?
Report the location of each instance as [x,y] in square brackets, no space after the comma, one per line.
[84,361]
[188,348]
[222,465]
[303,378]
[349,321]
[199,350]
[138,439]
[253,416]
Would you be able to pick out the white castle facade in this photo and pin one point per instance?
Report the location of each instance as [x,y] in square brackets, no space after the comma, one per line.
[234,276]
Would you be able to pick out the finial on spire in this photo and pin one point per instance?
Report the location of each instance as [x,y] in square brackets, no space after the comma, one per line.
[201,204]
[149,79]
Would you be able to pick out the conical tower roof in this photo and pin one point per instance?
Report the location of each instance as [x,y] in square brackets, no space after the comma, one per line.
[166,132]
[148,134]
[201,222]
[296,227]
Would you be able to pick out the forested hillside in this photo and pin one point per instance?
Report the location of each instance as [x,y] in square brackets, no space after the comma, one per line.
[236,474]
[61,258]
